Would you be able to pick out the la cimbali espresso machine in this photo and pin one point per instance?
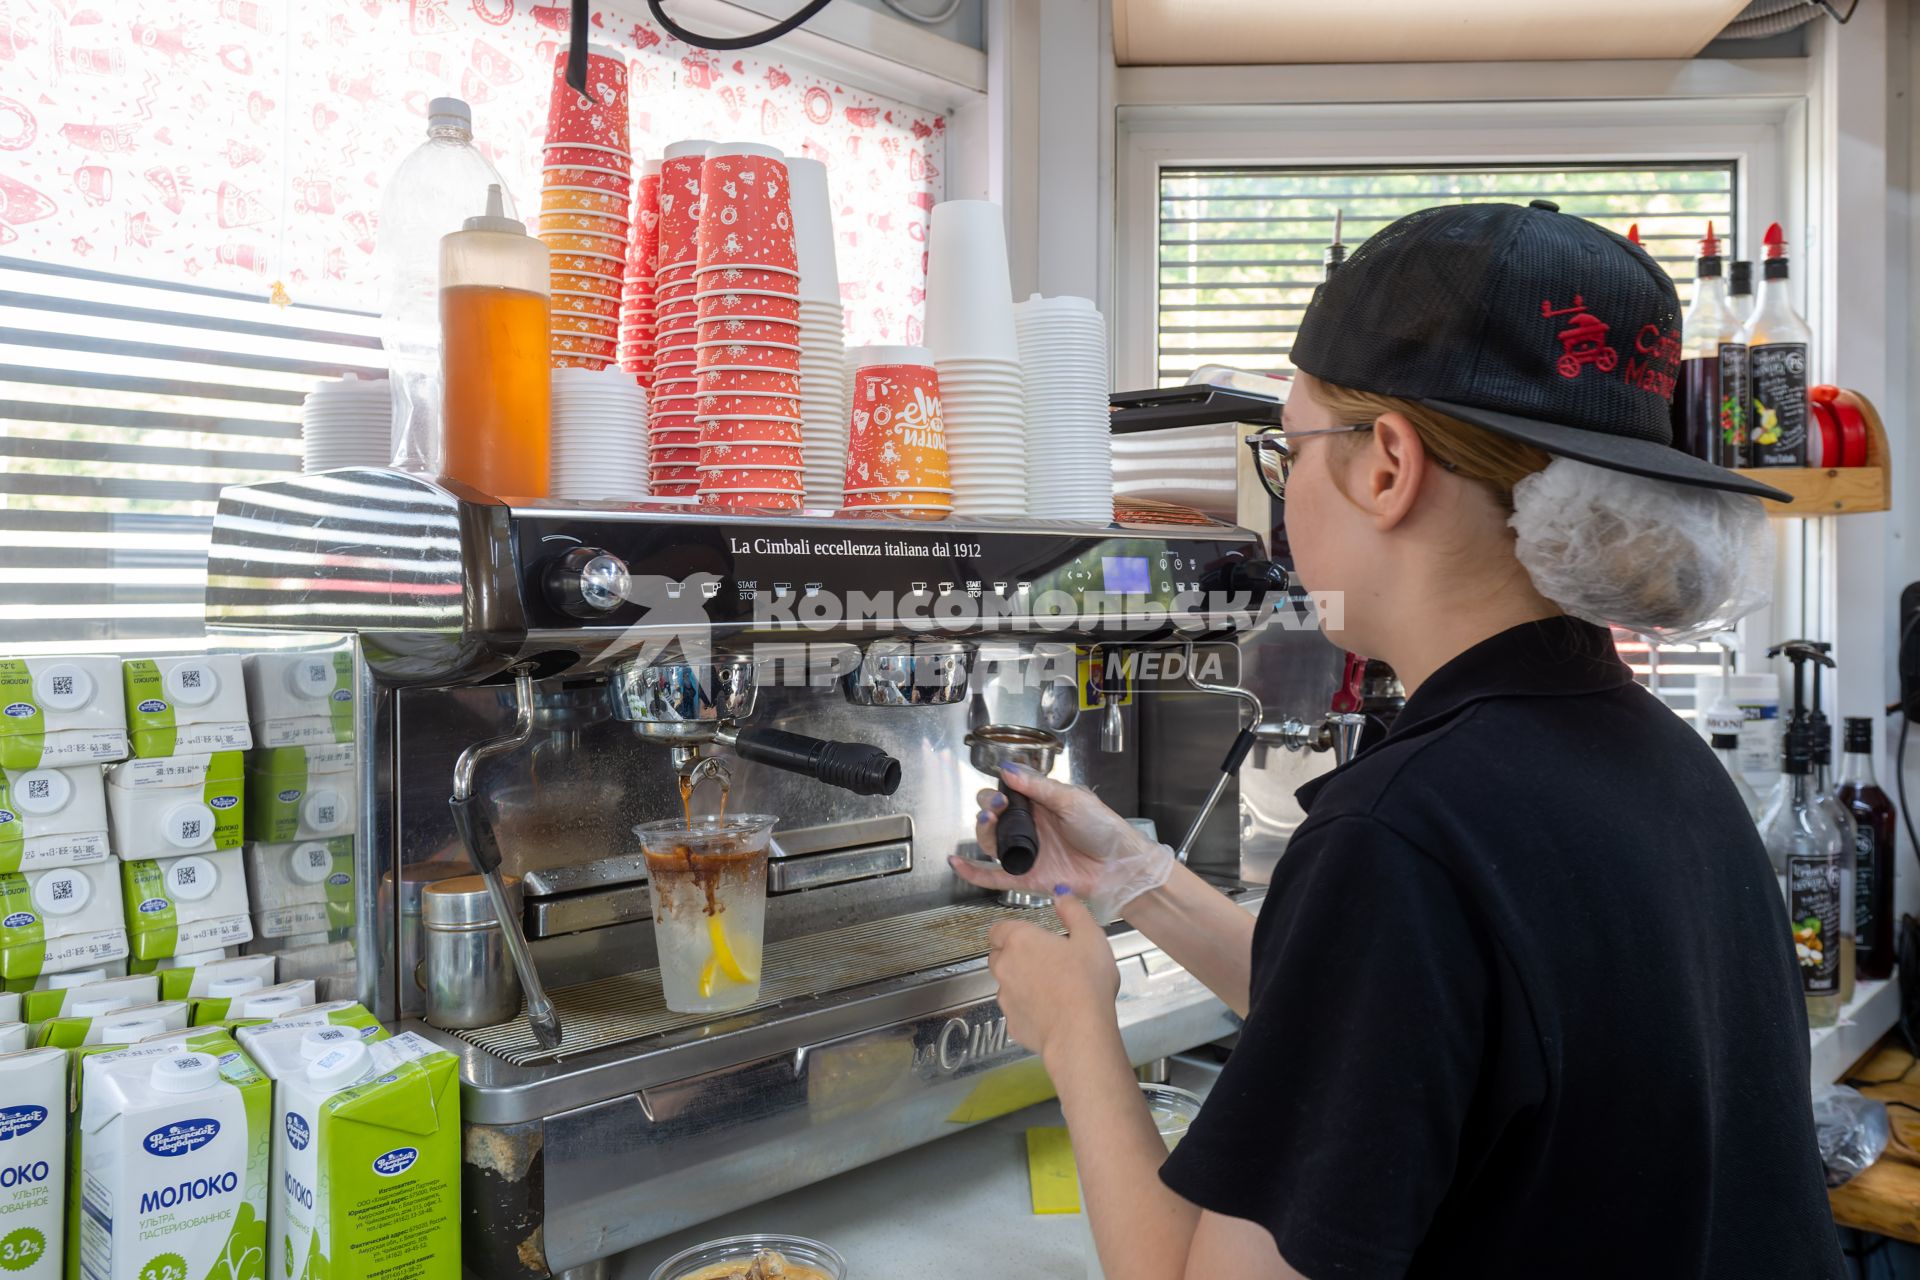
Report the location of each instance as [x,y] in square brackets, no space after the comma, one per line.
[588,667]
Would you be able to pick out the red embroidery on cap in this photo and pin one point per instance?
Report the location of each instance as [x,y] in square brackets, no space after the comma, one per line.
[1659,370]
[1583,341]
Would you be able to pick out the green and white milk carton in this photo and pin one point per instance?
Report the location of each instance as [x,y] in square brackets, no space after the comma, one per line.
[177,805]
[126,1025]
[33,1162]
[366,1158]
[300,888]
[271,1002]
[96,994]
[9,1006]
[52,818]
[343,1015]
[300,699]
[60,919]
[61,711]
[185,903]
[189,981]
[186,706]
[301,793]
[13,1037]
[172,1148]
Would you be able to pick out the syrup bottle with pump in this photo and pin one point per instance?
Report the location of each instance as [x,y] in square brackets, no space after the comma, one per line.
[1810,859]
[1724,721]
[1821,730]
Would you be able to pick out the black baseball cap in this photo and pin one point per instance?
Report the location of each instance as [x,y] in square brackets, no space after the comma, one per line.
[1522,320]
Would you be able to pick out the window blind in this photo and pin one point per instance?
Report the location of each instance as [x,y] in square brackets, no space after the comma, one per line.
[1241,249]
[125,406]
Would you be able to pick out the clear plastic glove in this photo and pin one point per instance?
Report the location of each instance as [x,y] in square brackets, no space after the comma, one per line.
[1083,845]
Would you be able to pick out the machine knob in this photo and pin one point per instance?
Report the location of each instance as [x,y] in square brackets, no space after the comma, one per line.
[1247,577]
[587,582]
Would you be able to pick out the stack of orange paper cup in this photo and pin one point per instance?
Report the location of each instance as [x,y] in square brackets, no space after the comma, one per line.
[585,208]
[896,442]
[643,260]
[747,333]
[675,435]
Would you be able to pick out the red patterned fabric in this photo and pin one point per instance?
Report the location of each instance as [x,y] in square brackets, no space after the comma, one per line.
[237,142]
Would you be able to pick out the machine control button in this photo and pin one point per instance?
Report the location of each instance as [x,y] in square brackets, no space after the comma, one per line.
[919,588]
[946,588]
[812,589]
[588,582]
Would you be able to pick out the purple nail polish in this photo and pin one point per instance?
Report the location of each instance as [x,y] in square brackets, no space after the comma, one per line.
[1062,891]
[983,818]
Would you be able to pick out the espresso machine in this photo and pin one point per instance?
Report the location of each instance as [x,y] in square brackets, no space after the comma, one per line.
[578,668]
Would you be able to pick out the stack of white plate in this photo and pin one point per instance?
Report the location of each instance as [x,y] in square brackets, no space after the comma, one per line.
[825,399]
[599,436]
[1063,364]
[347,423]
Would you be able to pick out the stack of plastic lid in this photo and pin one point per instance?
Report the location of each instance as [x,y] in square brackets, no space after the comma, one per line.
[1063,364]
[347,423]
[824,388]
[599,436]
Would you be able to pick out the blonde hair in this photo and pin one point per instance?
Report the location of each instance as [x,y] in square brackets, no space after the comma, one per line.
[1462,448]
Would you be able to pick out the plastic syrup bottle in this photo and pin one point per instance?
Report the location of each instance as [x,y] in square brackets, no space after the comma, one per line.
[1821,731]
[1873,843]
[1776,339]
[442,181]
[496,361]
[1709,413]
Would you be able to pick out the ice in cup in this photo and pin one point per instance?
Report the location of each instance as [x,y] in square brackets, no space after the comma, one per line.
[708,882]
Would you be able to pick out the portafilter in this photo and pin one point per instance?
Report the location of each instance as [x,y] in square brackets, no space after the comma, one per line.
[992,747]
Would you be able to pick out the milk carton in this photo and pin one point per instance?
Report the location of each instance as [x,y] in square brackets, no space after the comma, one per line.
[300,888]
[300,699]
[9,1006]
[198,981]
[95,996]
[334,1015]
[33,1152]
[366,1158]
[13,1039]
[187,903]
[186,706]
[269,1002]
[124,1025]
[301,793]
[178,805]
[52,818]
[171,1149]
[66,918]
[61,711]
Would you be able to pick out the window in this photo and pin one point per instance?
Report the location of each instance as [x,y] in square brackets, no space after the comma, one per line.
[175,165]
[1241,249]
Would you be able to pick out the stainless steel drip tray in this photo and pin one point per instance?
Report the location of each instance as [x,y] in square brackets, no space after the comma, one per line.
[627,1007]
[620,1039]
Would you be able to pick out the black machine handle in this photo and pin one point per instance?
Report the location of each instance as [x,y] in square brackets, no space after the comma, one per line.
[858,767]
[476,833]
[1242,743]
[1014,834]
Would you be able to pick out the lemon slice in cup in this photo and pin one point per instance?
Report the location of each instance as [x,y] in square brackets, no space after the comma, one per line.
[723,955]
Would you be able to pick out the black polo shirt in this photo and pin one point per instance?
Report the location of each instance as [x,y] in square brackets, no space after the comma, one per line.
[1523,1003]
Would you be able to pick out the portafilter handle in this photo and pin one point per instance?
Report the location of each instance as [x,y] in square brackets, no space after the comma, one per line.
[858,767]
[1014,836]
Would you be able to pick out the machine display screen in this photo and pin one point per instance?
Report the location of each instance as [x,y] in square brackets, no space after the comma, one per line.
[1125,575]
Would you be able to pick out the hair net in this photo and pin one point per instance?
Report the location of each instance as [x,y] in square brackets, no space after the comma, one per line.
[1673,562]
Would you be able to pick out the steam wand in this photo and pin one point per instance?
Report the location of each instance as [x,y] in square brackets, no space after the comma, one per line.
[477,833]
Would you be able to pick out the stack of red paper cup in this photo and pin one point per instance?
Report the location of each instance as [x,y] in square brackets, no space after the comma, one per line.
[585,208]
[637,328]
[675,435]
[747,347]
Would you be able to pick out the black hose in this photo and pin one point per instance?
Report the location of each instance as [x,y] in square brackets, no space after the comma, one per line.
[728,43]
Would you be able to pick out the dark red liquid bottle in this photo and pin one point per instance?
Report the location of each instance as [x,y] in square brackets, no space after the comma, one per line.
[1873,816]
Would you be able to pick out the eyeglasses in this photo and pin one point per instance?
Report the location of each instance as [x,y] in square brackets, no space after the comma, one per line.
[1273,459]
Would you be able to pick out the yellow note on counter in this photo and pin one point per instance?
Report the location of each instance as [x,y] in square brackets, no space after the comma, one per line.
[1050,1172]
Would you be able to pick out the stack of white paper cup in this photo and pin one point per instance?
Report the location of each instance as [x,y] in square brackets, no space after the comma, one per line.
[970,331]
[1063,364]
[599,436]
[824,385]
[347,423]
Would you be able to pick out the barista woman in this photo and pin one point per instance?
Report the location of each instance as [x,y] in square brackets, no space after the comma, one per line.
[1520,1001]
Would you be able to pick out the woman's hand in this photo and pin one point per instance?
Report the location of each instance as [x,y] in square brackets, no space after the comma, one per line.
[1054,990]
[1084,845]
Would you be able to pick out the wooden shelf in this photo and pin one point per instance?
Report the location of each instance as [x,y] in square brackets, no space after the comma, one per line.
[1835,491]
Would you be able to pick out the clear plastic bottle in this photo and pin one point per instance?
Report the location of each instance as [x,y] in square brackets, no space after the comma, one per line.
[1807,856]
[438,185]
[1777,342]
[498,370]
